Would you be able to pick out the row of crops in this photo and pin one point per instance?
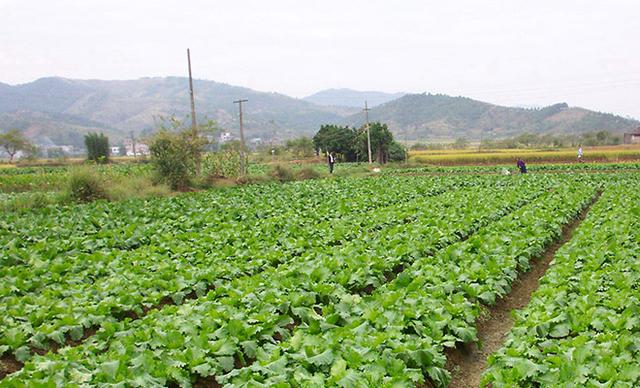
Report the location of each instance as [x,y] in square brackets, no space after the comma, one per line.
[48,179]
[582,326]
[347,282]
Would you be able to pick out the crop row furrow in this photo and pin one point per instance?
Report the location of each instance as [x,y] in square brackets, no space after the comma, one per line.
[582,325]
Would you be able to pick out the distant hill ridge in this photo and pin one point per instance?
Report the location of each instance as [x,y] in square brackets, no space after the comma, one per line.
[351,98]
[61,110]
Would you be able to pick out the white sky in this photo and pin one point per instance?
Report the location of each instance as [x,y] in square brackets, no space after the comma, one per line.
[517,52]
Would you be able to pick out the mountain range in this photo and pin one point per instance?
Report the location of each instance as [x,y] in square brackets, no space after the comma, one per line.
[60,111]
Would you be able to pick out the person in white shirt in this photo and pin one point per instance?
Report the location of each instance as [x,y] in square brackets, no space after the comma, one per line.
[579,153]
[331,161]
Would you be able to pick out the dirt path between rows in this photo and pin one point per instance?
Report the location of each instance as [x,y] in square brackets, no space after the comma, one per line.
[467,362]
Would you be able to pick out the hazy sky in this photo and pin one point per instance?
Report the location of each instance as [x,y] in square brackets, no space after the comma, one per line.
[517,52]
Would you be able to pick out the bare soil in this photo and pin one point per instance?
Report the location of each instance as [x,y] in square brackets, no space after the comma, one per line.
[467,362]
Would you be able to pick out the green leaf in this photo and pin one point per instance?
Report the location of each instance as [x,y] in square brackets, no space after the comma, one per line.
[324,358]
[110,368]
[560,331]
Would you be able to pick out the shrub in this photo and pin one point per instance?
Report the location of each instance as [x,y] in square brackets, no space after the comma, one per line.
[308,173]
[252,179]
[173,158]
[136,187]
[282,173]
[84,185]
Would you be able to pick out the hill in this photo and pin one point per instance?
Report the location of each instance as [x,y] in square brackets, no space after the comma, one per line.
[351,98]
[117,107]
[58,110]
[442,118]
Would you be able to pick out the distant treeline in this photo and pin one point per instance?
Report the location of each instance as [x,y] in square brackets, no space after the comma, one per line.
[530,140]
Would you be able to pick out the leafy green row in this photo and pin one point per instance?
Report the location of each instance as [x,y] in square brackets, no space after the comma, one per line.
[174,225]
[57,232]
[396,336]
[204,335]
[114,283]
[582,325]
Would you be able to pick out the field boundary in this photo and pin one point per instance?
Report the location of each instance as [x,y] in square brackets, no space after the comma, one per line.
[467,362]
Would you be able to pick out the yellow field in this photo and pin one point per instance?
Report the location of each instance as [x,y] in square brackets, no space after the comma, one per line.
[506,156]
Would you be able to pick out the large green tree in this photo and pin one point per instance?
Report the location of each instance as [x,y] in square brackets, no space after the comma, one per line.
[337,139]
[381,140]
[13,141]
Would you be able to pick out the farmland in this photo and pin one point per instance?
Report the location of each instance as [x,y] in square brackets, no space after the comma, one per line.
[352,281]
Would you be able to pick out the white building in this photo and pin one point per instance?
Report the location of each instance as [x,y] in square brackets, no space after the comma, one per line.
[141,149]
[225,137]
[115,150]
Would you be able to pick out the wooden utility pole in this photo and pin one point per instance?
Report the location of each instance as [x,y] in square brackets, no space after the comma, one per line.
[242,156]
[366,118]
[133,144]
[194,126]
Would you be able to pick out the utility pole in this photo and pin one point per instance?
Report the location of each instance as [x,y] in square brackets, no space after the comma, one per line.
[133,144]
[194,126]
[366,118]
[406,147]
[242,156]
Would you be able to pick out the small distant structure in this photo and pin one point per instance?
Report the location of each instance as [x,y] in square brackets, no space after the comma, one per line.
[225,137]
[256,141]
[115,150]
[136,148]
[633,137]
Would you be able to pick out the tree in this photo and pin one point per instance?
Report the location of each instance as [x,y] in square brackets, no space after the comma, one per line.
[460,143]
[97,147]
[177,154]
[381,139]
[13,141]
[397,152]
[337,139]
[301,147]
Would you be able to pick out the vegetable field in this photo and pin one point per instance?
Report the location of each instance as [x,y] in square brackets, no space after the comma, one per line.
[351,282]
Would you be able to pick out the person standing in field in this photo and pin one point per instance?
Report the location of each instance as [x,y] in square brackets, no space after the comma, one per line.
[579,153]
[331,161]
[522,166]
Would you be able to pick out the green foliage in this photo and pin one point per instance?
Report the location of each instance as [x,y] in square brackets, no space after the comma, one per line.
[97,145]
[381,141]
[302,147]
[13,141]
[396,152]
[339,140]
[222,164]
[289,293]
[282,173]
[351,145]
[584,315]
[173,158]
[532,140]
[307,173]
[84,185]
